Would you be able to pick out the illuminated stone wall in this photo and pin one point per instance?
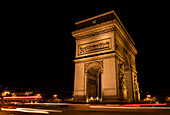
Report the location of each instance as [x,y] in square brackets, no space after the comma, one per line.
[105,60]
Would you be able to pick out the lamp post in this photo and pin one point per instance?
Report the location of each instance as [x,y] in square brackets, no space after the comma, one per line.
[5,93]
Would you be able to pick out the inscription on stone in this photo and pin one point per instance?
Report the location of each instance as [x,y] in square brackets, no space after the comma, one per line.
[95,46]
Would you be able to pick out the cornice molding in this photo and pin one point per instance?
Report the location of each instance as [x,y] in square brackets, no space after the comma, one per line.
[94,58]
[94,30]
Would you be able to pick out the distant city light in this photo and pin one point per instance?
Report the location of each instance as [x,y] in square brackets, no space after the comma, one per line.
[55,95]
[23,98]
[5,93]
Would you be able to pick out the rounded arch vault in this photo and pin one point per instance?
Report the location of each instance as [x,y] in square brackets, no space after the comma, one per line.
[94,68]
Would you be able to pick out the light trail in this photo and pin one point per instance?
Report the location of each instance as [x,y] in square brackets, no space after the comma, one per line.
[106,107]
[68,104]
[31,110]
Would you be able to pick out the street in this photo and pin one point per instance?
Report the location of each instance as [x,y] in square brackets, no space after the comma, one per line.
[84,109]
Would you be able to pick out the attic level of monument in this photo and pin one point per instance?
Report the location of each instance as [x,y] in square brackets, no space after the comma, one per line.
[114,25]
[96,20]
[105,66]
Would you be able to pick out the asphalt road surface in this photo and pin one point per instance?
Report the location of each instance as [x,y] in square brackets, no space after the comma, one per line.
[83,109]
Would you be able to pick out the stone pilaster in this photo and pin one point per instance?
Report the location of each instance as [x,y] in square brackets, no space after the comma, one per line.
[136,89]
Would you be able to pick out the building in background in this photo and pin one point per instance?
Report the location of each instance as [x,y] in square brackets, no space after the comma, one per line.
[20,95]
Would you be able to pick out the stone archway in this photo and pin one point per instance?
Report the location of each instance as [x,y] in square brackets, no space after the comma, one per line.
[104,46]
[93,82]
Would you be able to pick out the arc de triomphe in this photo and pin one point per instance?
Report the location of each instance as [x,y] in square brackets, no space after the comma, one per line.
[105,60]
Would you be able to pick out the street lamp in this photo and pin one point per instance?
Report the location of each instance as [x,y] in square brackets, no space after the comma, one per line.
[5,93]
[55,95]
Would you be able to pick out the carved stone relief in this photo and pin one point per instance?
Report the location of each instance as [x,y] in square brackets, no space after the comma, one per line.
[136,84]
[122,84]
[95,46]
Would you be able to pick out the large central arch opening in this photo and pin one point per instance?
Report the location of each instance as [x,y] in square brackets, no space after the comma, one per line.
[93,73]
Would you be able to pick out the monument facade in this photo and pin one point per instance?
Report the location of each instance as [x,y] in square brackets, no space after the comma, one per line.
[105,60]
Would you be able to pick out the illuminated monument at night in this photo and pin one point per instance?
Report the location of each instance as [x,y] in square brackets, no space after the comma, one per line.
[105,60]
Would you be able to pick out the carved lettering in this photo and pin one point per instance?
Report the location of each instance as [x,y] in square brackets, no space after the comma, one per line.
[95,46]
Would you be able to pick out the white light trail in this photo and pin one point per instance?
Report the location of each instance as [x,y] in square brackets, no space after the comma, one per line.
[31,110]
[56,104]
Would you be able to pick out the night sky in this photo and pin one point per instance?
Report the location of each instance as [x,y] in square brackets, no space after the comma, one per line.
[37,49]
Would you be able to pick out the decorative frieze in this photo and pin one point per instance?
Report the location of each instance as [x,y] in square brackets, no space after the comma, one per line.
[95,33]
[94,30]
